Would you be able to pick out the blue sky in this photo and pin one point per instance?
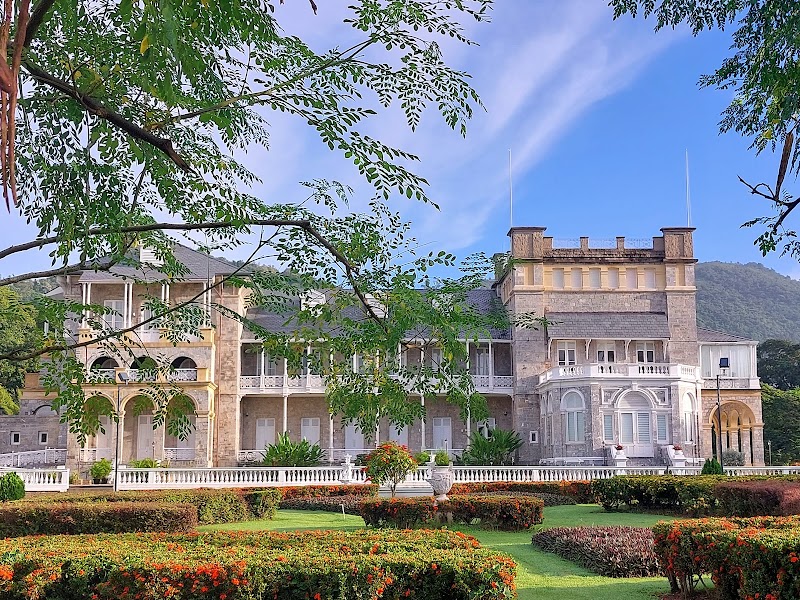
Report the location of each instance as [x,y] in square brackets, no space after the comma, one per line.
[597,113]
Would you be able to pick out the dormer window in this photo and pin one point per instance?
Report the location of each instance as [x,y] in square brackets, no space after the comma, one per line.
[312,298]
[566,353]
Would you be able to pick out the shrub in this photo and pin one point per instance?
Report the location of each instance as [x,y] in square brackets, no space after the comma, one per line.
[11,487]
[213,506]
[37,518]
[286,453]
[404,513]
[389,463]
[262,504]
[733,458]
[234,566]
[144,463]
[580,491]
[495,449]
[509,513]
[325,503]
[755,554]
[609,551]
[711,467]
[100,469]
[321,491]
[441,458]
[754,498]
[422,458]
[547,498]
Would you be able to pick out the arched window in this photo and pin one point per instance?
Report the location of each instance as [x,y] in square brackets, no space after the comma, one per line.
[688,418]
[104,362]
[573,408]
[183,362]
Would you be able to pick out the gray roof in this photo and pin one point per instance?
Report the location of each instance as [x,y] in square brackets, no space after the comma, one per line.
[709,335]
[608,325]
[482,299]
[198,266]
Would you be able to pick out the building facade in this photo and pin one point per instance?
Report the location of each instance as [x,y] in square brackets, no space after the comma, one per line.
[621,362]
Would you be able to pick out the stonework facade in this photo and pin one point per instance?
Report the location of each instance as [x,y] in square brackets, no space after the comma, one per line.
[620,362]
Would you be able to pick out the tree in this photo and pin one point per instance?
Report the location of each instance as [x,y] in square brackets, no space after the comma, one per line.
[779,364]
[134,110]
[762,73]
[389,464]
[18,333]
[781,411]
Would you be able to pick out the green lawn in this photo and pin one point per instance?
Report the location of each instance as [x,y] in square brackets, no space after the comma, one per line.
[541,575]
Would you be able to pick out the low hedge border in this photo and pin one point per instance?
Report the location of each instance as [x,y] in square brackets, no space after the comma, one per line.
[689,494]
[754,498]
[689,548]
[213,505]
[231,566]
[37,518]
[323,491]
[325,503]
[508,513]
[547,498]
[580,491]
[610,551]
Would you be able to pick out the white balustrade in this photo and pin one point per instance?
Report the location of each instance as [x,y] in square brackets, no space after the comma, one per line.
[179,453]
[182,375]
[615,370]
[103,374]
[42,480]
[47,456]
[90,455]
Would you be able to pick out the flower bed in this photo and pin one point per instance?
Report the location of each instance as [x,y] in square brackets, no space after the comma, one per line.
[213,506]
[47,518]
[754,498]
[693,494]
[609,551]
[580,491]
[690,548]
[509,513]
[232,566]
[326,503]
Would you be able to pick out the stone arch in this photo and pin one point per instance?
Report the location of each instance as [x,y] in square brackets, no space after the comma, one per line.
[184,362]
[46,410]
[104,362]
[736,424]
[569,400]
[634,399]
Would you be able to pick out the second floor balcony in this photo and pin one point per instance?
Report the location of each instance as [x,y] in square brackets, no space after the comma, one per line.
[670,371]
[489,366]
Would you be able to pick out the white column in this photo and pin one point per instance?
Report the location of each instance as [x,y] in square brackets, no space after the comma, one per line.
[330,437]
[83,301]
[308,366]
[285,413]
[261,371]
[125,306]
[491,366]
[422,437]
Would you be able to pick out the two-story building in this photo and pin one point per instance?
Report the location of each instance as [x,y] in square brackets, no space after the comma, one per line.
[621,361]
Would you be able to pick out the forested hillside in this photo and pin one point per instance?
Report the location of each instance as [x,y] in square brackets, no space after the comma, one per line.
[748,300]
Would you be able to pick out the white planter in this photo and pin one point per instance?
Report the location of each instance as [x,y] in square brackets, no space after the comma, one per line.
[441,481]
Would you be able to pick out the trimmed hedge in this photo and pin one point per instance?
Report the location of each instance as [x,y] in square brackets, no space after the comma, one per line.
[11,487]
[325,503]
[232,566]
[509,513]
[580,491]
[213,505]
[609,551]
[323,491]
[690,494]
[747,558]
[548,499]
[36,518]
[754,498]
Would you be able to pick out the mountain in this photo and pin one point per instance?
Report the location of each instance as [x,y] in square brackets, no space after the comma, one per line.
[748,300]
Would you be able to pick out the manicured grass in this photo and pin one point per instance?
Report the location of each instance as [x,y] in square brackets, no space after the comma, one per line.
[540,576]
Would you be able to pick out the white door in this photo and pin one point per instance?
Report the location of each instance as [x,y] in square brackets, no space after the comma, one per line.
[635,433]
[353,439]
[102,439]
[114,319]
[144,437]
[442,433]
[309,429]
[265,433]
[398,437]
[186,448]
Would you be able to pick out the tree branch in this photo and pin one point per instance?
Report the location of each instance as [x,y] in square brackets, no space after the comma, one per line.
[37,18]
[99,110]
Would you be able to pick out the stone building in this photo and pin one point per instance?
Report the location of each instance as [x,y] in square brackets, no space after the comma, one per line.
[621,362]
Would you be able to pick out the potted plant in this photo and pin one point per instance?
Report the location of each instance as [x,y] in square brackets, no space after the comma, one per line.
[100,471]
[619,456]
[441,475]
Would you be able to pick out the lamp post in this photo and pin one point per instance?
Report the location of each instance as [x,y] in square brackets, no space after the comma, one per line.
[769,445]
[122,377]
[724,365]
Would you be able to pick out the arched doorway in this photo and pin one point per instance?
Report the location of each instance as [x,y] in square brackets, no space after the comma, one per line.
[99,415]
[736,423]
[179,437]
[139,439]
[183,369]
